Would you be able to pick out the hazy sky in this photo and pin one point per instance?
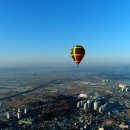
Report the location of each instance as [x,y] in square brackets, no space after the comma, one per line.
[41,32]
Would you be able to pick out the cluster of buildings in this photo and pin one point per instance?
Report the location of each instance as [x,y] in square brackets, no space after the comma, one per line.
[89,105]
[124,87]
[18,113]
[86,111]
[16,119]
[98,113]
[95,104]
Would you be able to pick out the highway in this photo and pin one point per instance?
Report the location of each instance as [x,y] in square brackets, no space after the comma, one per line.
[29,91]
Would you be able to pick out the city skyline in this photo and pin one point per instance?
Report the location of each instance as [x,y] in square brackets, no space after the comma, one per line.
[41,33]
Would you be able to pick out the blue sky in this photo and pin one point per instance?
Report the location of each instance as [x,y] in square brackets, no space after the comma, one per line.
[41,32]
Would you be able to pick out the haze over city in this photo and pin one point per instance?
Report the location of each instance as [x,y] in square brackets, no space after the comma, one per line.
[64,64]
[41,33]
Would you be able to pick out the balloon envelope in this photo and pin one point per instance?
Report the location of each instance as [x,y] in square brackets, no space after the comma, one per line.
[77,53]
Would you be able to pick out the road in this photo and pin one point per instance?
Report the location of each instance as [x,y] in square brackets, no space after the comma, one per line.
[29,91]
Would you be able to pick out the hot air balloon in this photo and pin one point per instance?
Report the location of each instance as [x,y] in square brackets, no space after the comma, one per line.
[77,53]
